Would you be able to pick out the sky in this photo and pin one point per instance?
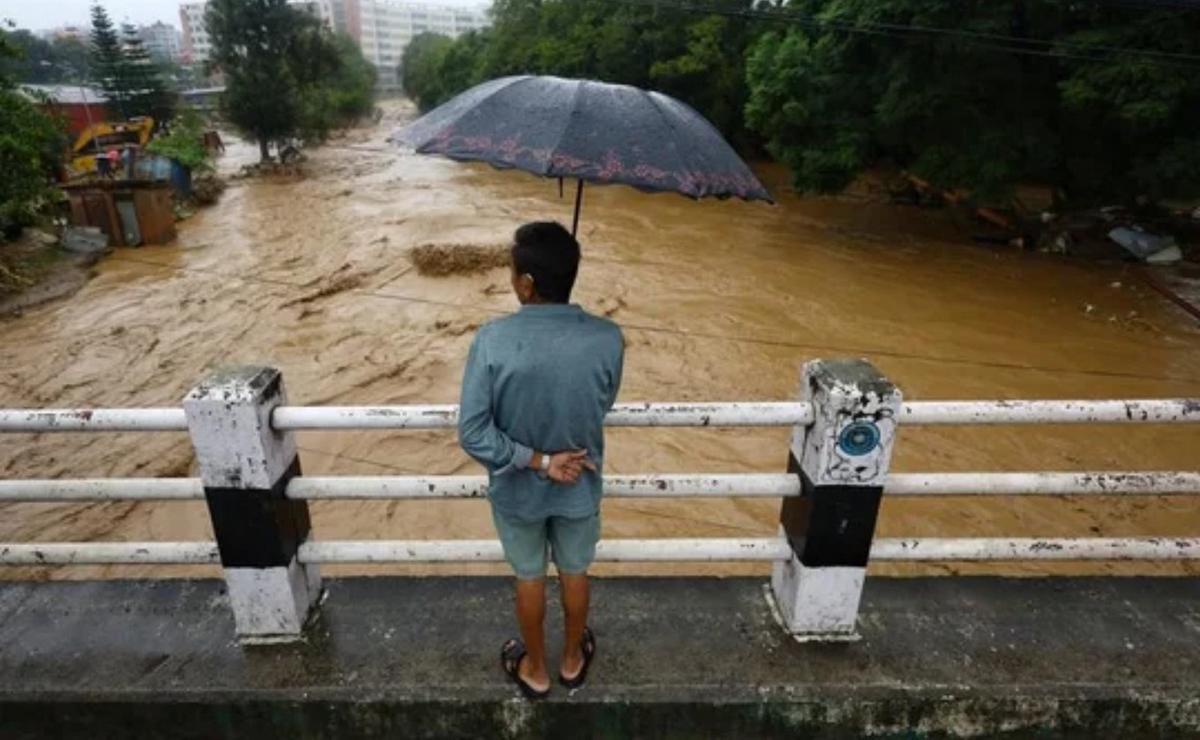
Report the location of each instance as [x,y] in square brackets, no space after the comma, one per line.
[40,14]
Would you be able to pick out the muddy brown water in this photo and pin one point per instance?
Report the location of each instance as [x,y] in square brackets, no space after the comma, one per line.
[719,301]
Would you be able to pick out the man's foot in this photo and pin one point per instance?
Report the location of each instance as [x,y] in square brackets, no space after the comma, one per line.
[573,671]
[512,661]
[572,662]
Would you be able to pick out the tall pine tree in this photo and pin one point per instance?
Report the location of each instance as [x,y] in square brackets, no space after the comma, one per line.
[148,93]
[108,61]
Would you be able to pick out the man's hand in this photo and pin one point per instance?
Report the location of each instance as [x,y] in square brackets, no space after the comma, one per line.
[566,467]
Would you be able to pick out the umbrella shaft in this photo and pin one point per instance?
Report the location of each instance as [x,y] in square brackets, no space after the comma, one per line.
[578,203]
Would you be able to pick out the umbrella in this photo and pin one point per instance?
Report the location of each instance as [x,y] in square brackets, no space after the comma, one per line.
[591,131]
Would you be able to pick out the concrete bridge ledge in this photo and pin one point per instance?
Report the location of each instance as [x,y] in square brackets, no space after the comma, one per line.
[678,657]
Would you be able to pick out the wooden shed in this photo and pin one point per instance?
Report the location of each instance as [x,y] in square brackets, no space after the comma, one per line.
[129,212]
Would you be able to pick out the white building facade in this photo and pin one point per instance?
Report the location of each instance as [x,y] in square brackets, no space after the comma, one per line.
[383,28]
[197,46]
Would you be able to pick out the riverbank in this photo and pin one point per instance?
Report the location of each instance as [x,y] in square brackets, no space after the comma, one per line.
[35,270]
[719,301]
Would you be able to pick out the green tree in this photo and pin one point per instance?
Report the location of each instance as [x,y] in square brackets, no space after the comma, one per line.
[184,142]
[336,82]
[706,74]
[108,63]
[996,95]
[148,93]
[252,42]
[420,69]
[696,57]
[31,146]
[59,60]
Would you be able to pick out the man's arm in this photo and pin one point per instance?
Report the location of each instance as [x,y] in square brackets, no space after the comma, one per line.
[477,431]
[488,445]
[617,370]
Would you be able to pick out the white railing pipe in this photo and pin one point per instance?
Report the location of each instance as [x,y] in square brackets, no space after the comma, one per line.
[1101,483]
[1150,411]
[102,489]
[624,415]
[467,486]
[93,420]
[1037,548]
[766,548]
[733,414]
[109,553]
[1145,483]
[443,551]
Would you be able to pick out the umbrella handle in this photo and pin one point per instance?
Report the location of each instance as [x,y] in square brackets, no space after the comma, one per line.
[578,202]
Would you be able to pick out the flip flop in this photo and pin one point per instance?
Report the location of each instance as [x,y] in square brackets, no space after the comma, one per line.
[511,655]
[588,646]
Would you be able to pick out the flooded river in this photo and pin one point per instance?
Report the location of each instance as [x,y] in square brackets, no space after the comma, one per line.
[719,301]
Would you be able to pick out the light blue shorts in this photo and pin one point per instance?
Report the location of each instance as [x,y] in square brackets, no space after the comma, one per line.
[571,542]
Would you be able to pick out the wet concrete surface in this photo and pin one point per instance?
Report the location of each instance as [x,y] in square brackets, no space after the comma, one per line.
[677,657]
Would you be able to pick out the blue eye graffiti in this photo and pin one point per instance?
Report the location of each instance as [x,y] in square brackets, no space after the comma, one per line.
[859,438]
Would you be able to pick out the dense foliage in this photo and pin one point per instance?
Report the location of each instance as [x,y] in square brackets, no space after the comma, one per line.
[31,146]
[421,70]
[696,57]
[47,62]
[337,83]
[148,93]
[184,141]
[1026,91]
[285,75]
[1099,100]
[133,83]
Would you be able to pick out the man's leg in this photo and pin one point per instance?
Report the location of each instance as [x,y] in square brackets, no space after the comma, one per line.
[573,544]
[524,546]
[531,615]
[575,595]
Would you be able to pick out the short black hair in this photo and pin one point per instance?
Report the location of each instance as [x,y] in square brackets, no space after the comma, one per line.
[547,251]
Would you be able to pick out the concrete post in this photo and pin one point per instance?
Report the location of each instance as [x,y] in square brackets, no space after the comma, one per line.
[245,466]
[842,460]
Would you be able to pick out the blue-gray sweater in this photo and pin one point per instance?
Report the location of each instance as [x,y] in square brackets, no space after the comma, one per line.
[540,379]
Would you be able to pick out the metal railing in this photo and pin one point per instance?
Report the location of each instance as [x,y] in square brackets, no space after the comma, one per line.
[800,414]
[768,485]
[753,414]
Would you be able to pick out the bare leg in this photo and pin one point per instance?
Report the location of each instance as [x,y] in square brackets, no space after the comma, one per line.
[575,595]
[531,613]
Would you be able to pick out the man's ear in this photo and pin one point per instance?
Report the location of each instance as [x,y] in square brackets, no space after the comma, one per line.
[528,286]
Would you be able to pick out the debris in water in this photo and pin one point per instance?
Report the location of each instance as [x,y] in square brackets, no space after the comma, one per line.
[332,287]
[442,260]
[206,189]
[270,168]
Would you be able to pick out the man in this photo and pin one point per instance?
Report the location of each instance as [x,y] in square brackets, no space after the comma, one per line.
[128,158]
[102,169]
[537,386]
[114,162]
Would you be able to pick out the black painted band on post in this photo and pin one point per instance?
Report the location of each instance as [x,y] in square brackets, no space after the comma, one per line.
[258,528]
[830,525]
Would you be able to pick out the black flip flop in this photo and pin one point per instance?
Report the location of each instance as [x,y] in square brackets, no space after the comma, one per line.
[588,646]
[511,655]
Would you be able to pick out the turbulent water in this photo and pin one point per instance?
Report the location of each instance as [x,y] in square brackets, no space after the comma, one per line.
[719,301]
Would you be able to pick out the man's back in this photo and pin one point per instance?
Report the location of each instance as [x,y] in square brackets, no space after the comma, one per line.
[544,377]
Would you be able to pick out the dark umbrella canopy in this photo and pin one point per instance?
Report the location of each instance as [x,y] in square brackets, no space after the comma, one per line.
[591,131]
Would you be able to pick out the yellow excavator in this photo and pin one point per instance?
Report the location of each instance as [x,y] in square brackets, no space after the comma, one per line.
[100,137]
